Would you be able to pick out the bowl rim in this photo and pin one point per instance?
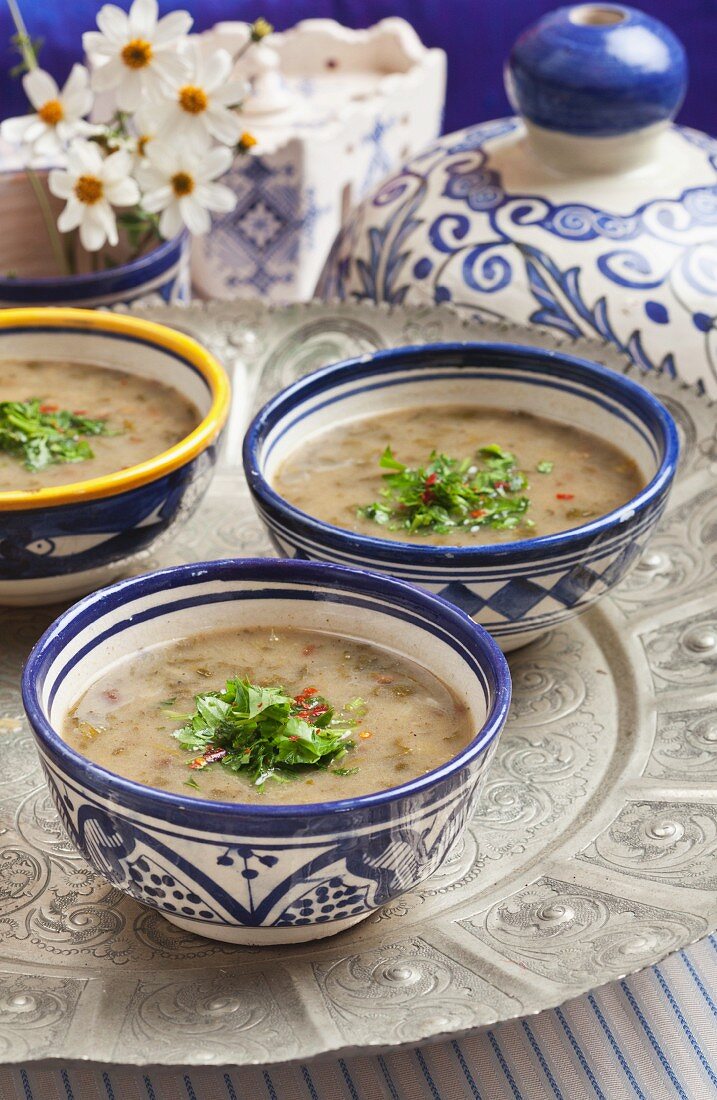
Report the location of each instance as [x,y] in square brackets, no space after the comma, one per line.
[273,570]
[502,357]
[83,321]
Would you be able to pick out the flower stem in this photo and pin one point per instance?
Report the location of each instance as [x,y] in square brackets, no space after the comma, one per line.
[52,231]
[29,56]
[24,42]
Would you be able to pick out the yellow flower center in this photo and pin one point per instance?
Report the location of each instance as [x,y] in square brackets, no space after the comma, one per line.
[247,140]
[137,54]
[51,112]
[89,189]
[192,99]
[182,184]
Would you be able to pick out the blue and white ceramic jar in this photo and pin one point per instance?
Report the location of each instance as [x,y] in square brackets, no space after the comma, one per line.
[589,213]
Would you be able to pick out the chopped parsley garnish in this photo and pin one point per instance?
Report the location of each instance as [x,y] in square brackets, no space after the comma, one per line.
[263,732]
[446,493]
[42,435]
[545,467]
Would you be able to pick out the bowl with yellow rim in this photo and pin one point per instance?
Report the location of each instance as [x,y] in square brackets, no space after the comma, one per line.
[59,542]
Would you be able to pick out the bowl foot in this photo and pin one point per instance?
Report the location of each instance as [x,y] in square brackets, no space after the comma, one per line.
[264,937]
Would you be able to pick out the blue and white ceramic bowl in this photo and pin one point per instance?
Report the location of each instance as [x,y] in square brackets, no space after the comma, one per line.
[516,590]
[260,873]
[59,542]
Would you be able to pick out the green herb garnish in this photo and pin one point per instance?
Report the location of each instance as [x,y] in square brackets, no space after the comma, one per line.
[545,467]
[264,732]
[447,493]
[42,435]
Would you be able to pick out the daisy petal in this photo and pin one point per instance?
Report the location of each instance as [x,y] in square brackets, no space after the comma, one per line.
[71,216]
[158,199]
[116,166]
[163,158]
[217,69]
[170,224]
[170,66]
[143,18]
[103,216]
[77,81]
[194,216]
[84,156]
[47,145]
[129,90]
[107,76]
[113,24]
[216,197]
[39,87]
[215,162]
[123,193]
[232,93]
[92,235]
[13,130]
[174,25]
[223,125]
[95,43]
[60,183]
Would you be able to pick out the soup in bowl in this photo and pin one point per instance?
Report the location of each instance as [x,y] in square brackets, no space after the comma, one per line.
[519,483]
[203,734]
[109,428]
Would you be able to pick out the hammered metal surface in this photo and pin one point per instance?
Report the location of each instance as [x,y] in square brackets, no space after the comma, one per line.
[594,853]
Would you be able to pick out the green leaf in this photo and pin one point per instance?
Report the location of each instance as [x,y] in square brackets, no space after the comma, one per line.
[262,731]
[42,438]
[545,467]
[447,493]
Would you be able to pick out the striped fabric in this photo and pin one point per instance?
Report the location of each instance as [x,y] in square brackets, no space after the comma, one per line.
[650,1037]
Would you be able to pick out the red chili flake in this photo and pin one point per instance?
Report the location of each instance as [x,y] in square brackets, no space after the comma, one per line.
[303,696]
[294,737]
[501,485]
[478,513]
[111,694]
[212,755]
[431,479]
[308,650]
[48,408]
[565,496]
[427,496]
[198,762]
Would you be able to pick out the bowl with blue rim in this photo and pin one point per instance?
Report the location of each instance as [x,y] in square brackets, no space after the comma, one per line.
[518,589]
[63,540]
[262,873]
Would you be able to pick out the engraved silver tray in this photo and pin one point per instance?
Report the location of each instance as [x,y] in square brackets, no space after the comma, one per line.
[594,854]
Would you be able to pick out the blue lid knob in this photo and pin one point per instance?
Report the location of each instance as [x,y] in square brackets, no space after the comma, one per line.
[597,70]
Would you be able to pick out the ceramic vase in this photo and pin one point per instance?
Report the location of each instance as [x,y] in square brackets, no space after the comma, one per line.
[589,212]
[26,259]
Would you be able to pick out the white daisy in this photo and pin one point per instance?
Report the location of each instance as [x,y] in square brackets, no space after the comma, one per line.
[198,104]
[141,51]
[179,182]
[59,115]
[92,185]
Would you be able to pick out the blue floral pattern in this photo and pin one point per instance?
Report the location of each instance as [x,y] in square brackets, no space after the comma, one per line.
[447,228]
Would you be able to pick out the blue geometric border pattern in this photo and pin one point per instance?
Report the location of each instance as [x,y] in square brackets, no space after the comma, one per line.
[257,882]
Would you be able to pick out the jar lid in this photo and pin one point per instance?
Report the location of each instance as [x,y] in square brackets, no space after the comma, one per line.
[597,70]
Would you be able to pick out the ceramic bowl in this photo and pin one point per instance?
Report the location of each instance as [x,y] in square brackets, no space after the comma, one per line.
[516,590]
[59,542]
[261,873]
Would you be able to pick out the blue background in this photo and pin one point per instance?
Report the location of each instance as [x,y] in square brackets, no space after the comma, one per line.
[476,35]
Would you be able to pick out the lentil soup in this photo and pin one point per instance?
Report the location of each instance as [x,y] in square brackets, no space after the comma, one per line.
[379,719]
[457,476]
[63,422]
